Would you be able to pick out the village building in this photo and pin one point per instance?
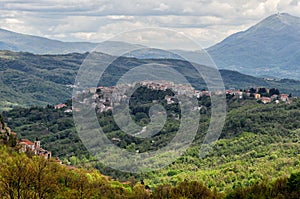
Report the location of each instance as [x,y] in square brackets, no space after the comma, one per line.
[26,146]
[265,100]
[116,139]
[274,97]
[248,94]
[169,99]
[257,95]
[59,106]
[68,111]
[284,97]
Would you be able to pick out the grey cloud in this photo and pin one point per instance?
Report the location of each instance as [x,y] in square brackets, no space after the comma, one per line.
[208,21]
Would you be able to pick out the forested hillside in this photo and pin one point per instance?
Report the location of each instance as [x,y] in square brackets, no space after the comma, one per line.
[37,80]
[27,176]
[256,136]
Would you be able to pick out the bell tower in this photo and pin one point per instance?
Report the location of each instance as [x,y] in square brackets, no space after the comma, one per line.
[37,143]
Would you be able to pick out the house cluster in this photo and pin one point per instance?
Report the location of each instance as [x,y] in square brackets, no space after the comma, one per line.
[26,146]
[60,106]
[274,98]
[237,93]
[23,145]
[178,89]
[264,95]
[104,98]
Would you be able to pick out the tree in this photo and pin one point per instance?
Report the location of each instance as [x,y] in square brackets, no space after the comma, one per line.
[192,189]
[262,90]
[163,191]
[1,122]
[44,179]
[274,91]
[293,182]
[15,177]
[139,192]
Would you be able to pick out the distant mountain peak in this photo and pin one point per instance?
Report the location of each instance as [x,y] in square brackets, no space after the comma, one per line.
[283,17]
[271,47]
[278,21]
[289,19]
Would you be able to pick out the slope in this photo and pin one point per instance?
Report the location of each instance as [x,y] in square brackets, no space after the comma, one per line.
[269,48]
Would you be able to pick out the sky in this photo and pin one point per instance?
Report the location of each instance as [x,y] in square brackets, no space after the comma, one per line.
[205,21]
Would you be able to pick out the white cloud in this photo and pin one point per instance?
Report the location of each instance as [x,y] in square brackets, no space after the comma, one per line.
[207,21]
[162,7]
[118,17]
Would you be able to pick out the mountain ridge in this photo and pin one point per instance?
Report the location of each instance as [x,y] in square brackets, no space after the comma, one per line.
[19,42]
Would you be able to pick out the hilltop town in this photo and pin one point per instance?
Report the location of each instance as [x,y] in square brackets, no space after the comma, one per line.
[104,98]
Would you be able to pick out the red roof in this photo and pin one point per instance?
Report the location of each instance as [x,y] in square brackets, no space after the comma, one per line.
[284,95]
[59,106]
[265,99]
[26,141]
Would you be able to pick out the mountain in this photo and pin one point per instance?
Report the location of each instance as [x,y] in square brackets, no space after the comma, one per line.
[270,48]
[17,42]
[20,42]
[29,80]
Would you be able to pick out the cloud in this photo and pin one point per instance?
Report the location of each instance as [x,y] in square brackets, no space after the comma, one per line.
[206,21]
[162,7]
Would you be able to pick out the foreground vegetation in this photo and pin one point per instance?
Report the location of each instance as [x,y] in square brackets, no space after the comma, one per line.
[36,177]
